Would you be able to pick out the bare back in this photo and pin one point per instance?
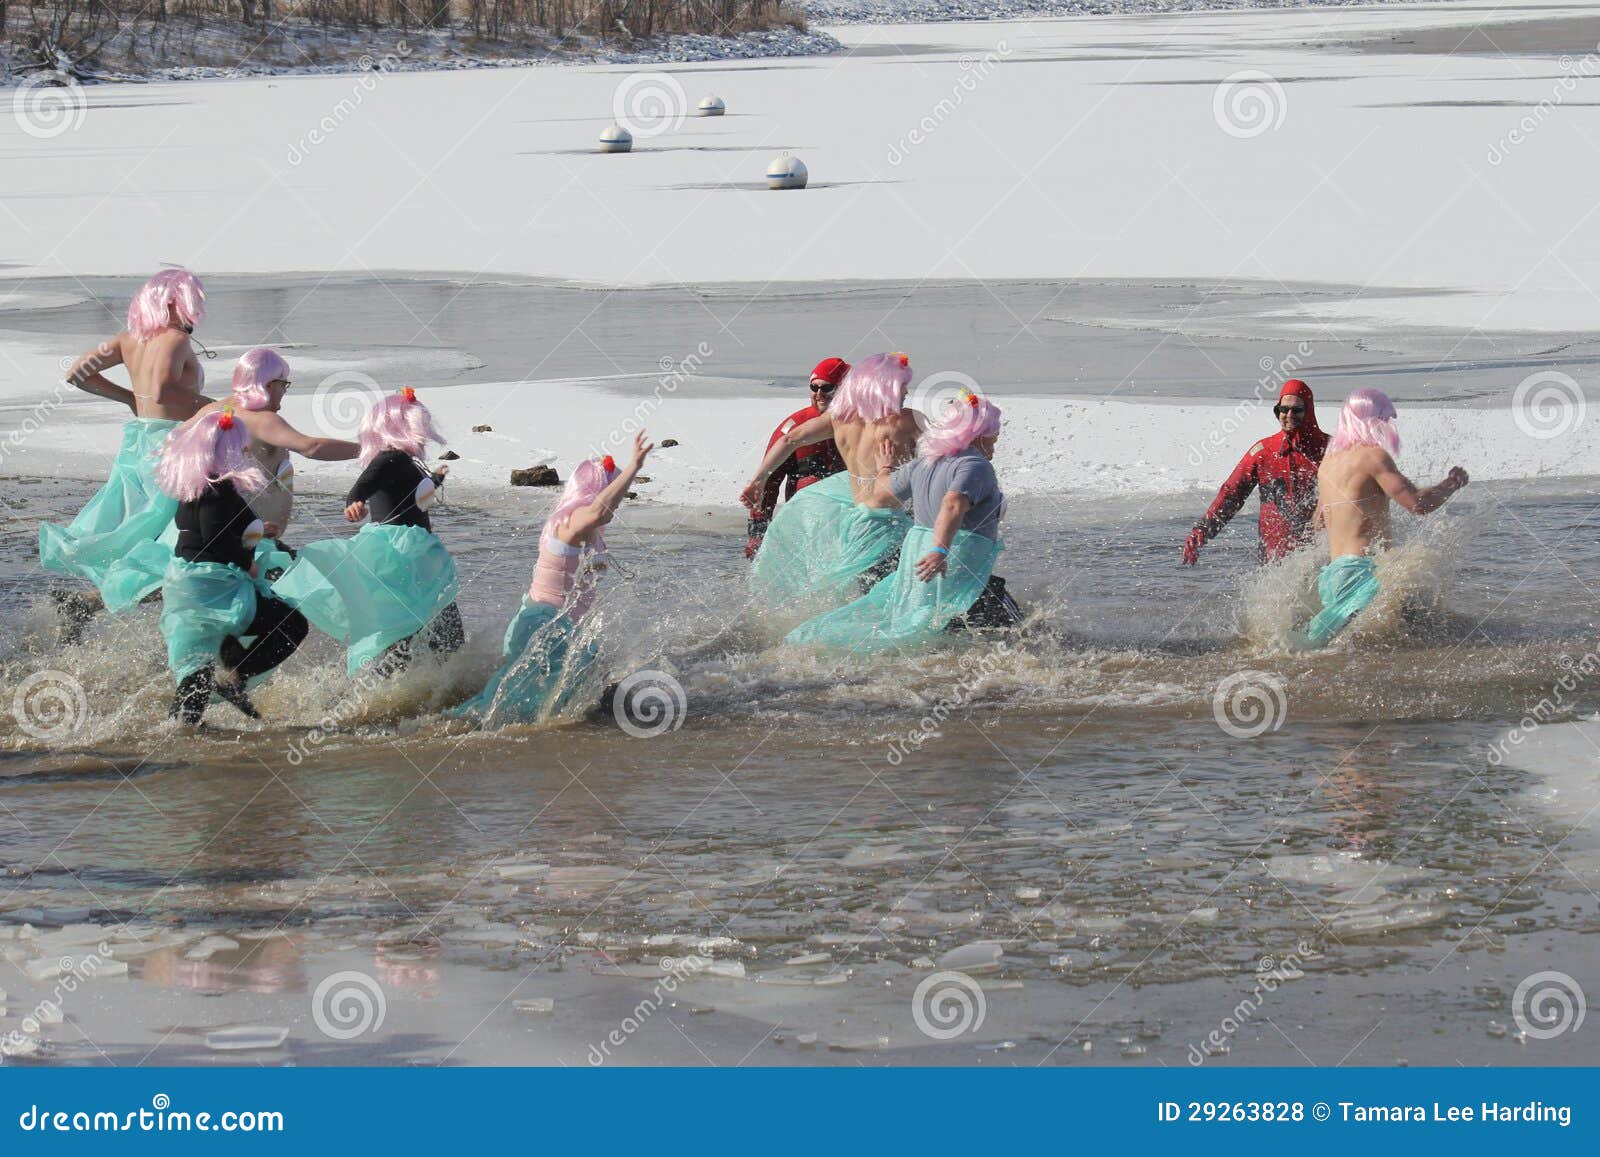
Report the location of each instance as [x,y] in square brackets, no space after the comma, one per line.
[858,445]
[1355,507]
[164,373]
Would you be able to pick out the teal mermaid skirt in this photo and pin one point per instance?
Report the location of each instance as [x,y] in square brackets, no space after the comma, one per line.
[541,669]
[372,590]
[1347,585]
[902,610]
[820,543]
[122,540]
[203,603]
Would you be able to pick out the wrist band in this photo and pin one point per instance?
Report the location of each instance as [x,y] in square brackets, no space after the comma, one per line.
[944,550]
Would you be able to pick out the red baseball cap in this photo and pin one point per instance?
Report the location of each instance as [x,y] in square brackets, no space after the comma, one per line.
[830,371]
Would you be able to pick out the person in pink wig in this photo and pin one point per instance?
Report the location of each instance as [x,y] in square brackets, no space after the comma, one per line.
[212,596]
[838,534]
[103,543]
[539,673]
[260,382]
[1356,483]
[947,560]
[394,579]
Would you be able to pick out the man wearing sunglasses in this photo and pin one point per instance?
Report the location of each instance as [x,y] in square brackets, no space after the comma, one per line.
[807,464]
[1284,467]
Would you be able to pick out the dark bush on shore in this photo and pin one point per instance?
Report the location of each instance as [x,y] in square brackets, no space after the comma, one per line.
[74,35]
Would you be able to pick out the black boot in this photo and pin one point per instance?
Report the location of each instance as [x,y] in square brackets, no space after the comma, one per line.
[76,610]
[189,701]
[231,684]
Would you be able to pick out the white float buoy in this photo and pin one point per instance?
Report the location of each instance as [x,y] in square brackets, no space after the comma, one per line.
[711,106]
[616,139]
[786,172]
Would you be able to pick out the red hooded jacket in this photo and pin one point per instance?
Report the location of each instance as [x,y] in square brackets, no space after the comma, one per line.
[806,465]
[1284,468]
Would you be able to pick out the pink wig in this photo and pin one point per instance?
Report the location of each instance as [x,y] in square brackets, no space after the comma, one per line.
[873,390]
[1367,420]
[212,447]
[965,419]
[588,479]
[251,376]
[150,311]
[398,422]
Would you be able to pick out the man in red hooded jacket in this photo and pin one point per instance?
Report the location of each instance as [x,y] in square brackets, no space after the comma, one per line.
[1284,467]
[806,465]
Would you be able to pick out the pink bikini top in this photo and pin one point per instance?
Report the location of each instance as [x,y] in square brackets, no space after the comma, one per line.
[556,576]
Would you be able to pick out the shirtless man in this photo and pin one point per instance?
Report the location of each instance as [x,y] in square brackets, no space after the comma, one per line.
[109,541]
[260,381]
[1356,482]
[838,534]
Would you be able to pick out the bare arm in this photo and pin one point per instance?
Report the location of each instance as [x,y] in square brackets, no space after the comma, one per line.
[1400,488]
[274,431]
[818,429]
[583,523]
[952,512]
[882,491]
[86,374]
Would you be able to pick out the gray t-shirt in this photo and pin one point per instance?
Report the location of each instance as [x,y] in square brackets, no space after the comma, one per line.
[926,483]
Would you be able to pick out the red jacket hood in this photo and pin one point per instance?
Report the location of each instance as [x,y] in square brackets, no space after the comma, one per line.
[1309,437]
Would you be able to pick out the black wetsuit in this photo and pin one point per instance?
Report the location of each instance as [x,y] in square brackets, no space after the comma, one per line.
[211,529]
[389,488]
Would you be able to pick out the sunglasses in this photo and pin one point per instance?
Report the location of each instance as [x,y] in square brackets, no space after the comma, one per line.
[1280,411]
[823,388]
[284,382]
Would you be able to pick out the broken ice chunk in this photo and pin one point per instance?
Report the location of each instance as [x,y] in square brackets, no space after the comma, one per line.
[246,1036]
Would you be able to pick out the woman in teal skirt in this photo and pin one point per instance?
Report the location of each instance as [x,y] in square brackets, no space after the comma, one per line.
[212,597]
[542,665]
[393,579]
[948,555]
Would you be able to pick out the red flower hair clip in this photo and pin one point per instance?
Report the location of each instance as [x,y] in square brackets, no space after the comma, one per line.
[608,464]
[408,394]
[901,358]
[226,421]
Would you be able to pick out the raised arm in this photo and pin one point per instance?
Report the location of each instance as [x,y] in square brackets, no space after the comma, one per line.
[87,374]
[1418,501]
[590,518]
[818,429]
[274,431]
